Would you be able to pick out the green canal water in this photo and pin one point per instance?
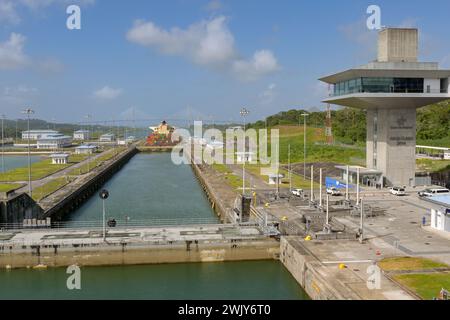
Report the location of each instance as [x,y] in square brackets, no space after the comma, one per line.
[149,187]
[13,162]
[233,280]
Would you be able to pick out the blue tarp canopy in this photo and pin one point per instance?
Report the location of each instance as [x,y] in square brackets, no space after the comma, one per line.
[330,182]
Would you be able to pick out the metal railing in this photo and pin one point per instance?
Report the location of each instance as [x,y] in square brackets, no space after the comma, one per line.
[387,90]
[113,224]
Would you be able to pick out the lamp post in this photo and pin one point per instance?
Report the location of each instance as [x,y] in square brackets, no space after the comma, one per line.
[289,168]
[104,194]
[244,113]
[3,145]
[304,115]
[29,112]
[88,117]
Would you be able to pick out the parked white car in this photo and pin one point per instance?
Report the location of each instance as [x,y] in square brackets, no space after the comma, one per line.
[297,192]
[398,191]
[334,191]
[434,192]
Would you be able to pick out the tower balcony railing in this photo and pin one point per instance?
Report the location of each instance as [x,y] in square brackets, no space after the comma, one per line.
[359,90]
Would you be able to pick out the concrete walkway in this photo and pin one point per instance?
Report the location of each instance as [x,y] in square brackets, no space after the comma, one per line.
[62,173]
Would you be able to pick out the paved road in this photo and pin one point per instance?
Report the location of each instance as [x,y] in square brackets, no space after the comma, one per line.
[59,174]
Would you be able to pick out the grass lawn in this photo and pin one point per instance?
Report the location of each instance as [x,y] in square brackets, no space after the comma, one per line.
[5,187]
[316,151]
[429,165]
[49,188]
[297,181]
[39,169]
[107,155]
[409,263]
[232,180]
[427,286]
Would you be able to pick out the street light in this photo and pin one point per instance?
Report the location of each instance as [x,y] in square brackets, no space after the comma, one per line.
[29,112]
[304,115]
[3,145]
[88,117]
[244,112]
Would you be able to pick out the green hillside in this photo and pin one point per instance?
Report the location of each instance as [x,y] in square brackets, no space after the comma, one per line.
[349,125]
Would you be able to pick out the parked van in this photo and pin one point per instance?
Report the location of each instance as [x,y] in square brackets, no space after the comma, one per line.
[434,192]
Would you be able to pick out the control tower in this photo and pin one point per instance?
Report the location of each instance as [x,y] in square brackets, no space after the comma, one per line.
[391,89]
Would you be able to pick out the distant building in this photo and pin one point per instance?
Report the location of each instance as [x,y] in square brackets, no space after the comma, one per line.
[85,149]
[275,178]
[108,137]
[245,156]
[60,158]
[54,141]
[37,134]
[82,135]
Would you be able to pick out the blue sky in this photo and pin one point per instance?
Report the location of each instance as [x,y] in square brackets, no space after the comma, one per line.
[192,58]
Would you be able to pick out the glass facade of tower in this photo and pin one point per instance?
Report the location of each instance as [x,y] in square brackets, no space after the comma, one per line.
[379,85]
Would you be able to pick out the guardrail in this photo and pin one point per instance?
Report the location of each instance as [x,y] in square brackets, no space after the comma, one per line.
[111,224]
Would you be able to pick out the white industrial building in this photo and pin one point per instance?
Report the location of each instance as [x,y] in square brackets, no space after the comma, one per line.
[54,141]
[81,135]
[37,134]
[109,137]
[86,149]
[440,214]
[60,158]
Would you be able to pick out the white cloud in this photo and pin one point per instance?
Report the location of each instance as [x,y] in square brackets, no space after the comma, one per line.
[214,5]
[50,65]
[107,93]
[11,52]
[262,63]
[268,95]
[20,95]
[208,43]
[8,13]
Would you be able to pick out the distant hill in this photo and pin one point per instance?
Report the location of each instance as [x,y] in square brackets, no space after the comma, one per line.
[349,125]
[11,127]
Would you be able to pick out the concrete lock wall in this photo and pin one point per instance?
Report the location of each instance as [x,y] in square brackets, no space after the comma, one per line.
[135,254]
[309,273]
[391,139]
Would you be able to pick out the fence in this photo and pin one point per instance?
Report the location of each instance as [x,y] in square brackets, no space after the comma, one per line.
[92,225]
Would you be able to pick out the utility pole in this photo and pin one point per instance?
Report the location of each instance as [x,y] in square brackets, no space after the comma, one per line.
[347,182]
[289,168]
[104,194]
[3,145]
[244,113]
[357,186]
[312,183]
[304,115]
[361,236]
[88,117]
[320,190]
[29,112]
